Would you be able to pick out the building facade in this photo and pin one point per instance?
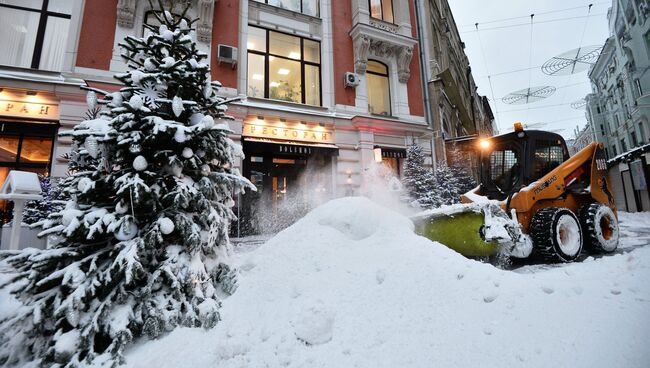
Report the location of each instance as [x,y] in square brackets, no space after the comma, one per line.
[330,89]
[618,109]
[458,114]
[583,137]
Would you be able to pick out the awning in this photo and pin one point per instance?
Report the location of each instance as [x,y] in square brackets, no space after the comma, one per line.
[289,147]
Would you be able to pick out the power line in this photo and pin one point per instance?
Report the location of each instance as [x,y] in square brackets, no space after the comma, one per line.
[487,70]
[537,108]
[540,22]
[538,13]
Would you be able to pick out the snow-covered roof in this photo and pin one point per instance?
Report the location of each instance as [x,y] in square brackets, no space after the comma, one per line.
[630,155]
[21,185]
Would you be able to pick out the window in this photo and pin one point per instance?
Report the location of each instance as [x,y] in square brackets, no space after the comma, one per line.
[623,145]
[34,33]
[26,147]
[638,89]
[504,166]
[633,139]
[641,133]
[382,9]
[614,150]
[548,155]
[378,88]
[309,7]
[283,67]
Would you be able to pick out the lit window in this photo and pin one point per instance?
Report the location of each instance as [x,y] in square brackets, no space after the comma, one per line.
[283,67]
[309,7]
[378,88]
[34,33]
[26,147]
[382,9]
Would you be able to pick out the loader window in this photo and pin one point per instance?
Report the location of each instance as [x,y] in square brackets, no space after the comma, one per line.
[548,156]
[504,168]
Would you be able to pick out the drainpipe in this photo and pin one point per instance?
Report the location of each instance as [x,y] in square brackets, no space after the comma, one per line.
[424,76]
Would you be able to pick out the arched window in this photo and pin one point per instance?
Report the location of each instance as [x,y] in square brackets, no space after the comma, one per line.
[378,88]
[382,9]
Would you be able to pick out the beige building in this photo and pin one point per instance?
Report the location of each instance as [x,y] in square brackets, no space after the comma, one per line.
[458,114]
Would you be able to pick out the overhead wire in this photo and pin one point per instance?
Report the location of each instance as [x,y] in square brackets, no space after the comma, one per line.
[538,13]
[539,22]
[582,38]
[530,58]
[487,70]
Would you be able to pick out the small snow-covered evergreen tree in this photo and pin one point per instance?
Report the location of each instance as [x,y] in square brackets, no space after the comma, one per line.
[454,179]
[144,239]
[419,182]
[53,201]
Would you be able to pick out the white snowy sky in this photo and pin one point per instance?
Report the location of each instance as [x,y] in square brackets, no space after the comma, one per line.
[507,47]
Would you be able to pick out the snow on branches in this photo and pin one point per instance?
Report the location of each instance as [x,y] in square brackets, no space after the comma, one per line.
[143,242]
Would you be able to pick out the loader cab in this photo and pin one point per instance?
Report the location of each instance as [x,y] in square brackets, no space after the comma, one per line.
[514,160]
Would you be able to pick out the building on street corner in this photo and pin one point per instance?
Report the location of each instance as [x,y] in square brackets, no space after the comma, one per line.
[618,109]
[332,92]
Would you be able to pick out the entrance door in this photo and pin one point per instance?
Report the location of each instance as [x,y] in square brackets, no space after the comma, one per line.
[284,173]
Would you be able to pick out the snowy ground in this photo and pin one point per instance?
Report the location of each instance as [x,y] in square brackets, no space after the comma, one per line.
[350,285]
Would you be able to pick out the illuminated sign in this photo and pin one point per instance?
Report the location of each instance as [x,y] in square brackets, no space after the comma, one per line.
[27,109]
[298,132]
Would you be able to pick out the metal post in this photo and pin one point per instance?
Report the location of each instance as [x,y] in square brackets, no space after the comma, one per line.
[14,240]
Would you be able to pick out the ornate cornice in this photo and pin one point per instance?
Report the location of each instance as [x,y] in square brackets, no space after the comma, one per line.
[368,40]
[126,13]
[206,15]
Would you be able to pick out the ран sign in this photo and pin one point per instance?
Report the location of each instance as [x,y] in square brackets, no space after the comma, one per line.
[300,133]
[28,110]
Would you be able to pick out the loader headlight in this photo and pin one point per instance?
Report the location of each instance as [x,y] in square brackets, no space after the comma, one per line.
[484,144]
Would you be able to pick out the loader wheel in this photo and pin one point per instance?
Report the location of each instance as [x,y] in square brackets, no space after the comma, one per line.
[556,234]
[600,226]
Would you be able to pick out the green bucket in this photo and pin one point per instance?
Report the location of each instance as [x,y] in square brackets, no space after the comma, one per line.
[459,231]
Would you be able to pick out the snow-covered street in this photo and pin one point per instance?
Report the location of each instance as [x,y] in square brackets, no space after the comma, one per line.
[351,285]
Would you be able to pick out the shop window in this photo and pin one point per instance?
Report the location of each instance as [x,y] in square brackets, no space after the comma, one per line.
[309,7]
[34,33]
[382,9]
[283,67]
[25,147]
[378,88]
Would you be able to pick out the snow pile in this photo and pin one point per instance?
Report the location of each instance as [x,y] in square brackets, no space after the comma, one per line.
[351,285]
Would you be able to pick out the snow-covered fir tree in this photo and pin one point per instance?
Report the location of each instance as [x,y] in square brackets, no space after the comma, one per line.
[453,179]
[144,239]
[53,201]
[419,182]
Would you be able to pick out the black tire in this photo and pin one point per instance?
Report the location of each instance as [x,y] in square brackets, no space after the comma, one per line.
[556,234]
[600,228]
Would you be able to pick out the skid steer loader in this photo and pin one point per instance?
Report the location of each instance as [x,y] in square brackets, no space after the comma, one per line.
[533,198]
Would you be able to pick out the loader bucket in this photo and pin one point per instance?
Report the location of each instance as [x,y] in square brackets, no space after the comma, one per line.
[460,231]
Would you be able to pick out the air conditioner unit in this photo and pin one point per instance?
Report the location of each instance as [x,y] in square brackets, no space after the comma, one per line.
[227,54]
[351,79]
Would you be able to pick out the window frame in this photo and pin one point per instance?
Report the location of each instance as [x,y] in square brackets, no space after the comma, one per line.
[44,14]
[22,130]
[381,6]
[267,54]
[387,76]
[302,8]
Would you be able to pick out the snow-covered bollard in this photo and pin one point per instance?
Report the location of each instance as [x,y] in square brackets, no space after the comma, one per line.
[19,187]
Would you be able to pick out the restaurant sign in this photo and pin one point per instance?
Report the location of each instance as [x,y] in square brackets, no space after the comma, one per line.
[297,132]
[31,110]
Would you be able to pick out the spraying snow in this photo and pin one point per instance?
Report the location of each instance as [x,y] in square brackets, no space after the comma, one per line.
[351,285]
